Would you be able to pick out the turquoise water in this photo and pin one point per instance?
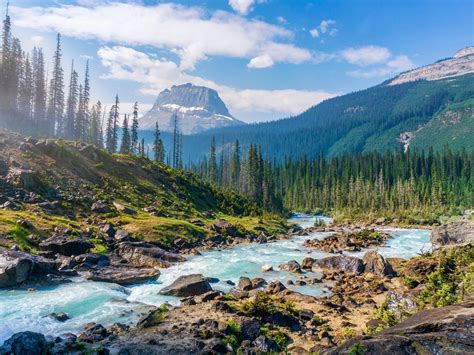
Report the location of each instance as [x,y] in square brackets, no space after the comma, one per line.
[105,303]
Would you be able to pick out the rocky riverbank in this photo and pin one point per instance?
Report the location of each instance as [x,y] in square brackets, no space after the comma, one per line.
[369,296]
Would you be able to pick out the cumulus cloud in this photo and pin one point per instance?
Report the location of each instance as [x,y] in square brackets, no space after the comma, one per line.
[366,55]
[262,61]
[191,32]
[37,40]
[375,62]
[156,74]
[324,27]
[243,7]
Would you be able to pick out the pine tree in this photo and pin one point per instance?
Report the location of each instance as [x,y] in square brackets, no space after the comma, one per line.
[134,131]
[39,100]
[55,113]
[71,106]
[125,145]
[212,162]
[5,75]
[158,148]
[26,91]
[235,173]
[175,141]
[95,131]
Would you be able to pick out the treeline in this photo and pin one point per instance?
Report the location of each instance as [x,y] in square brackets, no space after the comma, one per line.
[31,104]
[392,183]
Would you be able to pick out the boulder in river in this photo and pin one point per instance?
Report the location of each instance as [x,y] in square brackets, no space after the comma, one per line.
[245,284]
[65,245]
[123,274]
[341,263]
[187,285]
[376,264]
[29,343]
[456,233]
[145,254]
[17,267]
[291,266]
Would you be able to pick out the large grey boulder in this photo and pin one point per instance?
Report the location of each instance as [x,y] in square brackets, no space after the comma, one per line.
[17,267]
[65,245]
[188,285]
[145,254]
[341,263]
[376,264]
[28,343]
[123,274]
[457,233]
[446,330]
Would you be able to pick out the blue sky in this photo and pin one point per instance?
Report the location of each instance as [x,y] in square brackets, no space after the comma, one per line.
[267,58]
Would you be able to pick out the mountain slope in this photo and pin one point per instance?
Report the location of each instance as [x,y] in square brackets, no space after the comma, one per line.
[379,118]
[198,109]
[53,185]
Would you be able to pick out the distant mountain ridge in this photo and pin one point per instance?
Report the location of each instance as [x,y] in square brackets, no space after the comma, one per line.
[198,109]
[461,63]
[421,112]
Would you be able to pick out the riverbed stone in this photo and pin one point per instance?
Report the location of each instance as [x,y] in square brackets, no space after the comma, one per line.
[291,266]
[123,274]
[28,343]
[245,284]
[341,263]
[17,267]
[187,285]
[376,264]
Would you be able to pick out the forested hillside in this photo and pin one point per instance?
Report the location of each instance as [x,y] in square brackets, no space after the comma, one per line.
[372,119]
[416,186]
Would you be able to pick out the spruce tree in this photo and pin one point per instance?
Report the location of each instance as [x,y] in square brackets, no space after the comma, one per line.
[134,130]
[125,145]
[213,162]
[71,106]
[39,100]
[55,112]
[158,148]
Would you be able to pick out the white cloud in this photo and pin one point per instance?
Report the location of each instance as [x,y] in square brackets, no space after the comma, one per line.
[191,32]
[263,61]
[364,56]
[314,33]
[241,6]
[325,26]
[392,66]
[281,20]
[37,40]
[157,74]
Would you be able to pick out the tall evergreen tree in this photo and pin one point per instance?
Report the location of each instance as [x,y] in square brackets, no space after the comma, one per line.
[39,100]
[25,99]
[134,130]
[71,106]
[125,145]
[213,162]
[55,112]
[112,125]
[95,132]
[158,148]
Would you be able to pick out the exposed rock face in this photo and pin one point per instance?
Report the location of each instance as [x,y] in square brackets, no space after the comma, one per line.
[188,285]
[64,245]
[26,343]
[457,233]
[145,254]
[341,263]
[23,178]
[376,264]
[123,274]
[197,108]
[17,267]
[461,63]
[446,330]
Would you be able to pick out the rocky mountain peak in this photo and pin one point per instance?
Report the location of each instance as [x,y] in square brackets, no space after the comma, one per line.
[460,64]
[198,108]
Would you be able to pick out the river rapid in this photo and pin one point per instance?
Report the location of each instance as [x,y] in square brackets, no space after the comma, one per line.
[106,303]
